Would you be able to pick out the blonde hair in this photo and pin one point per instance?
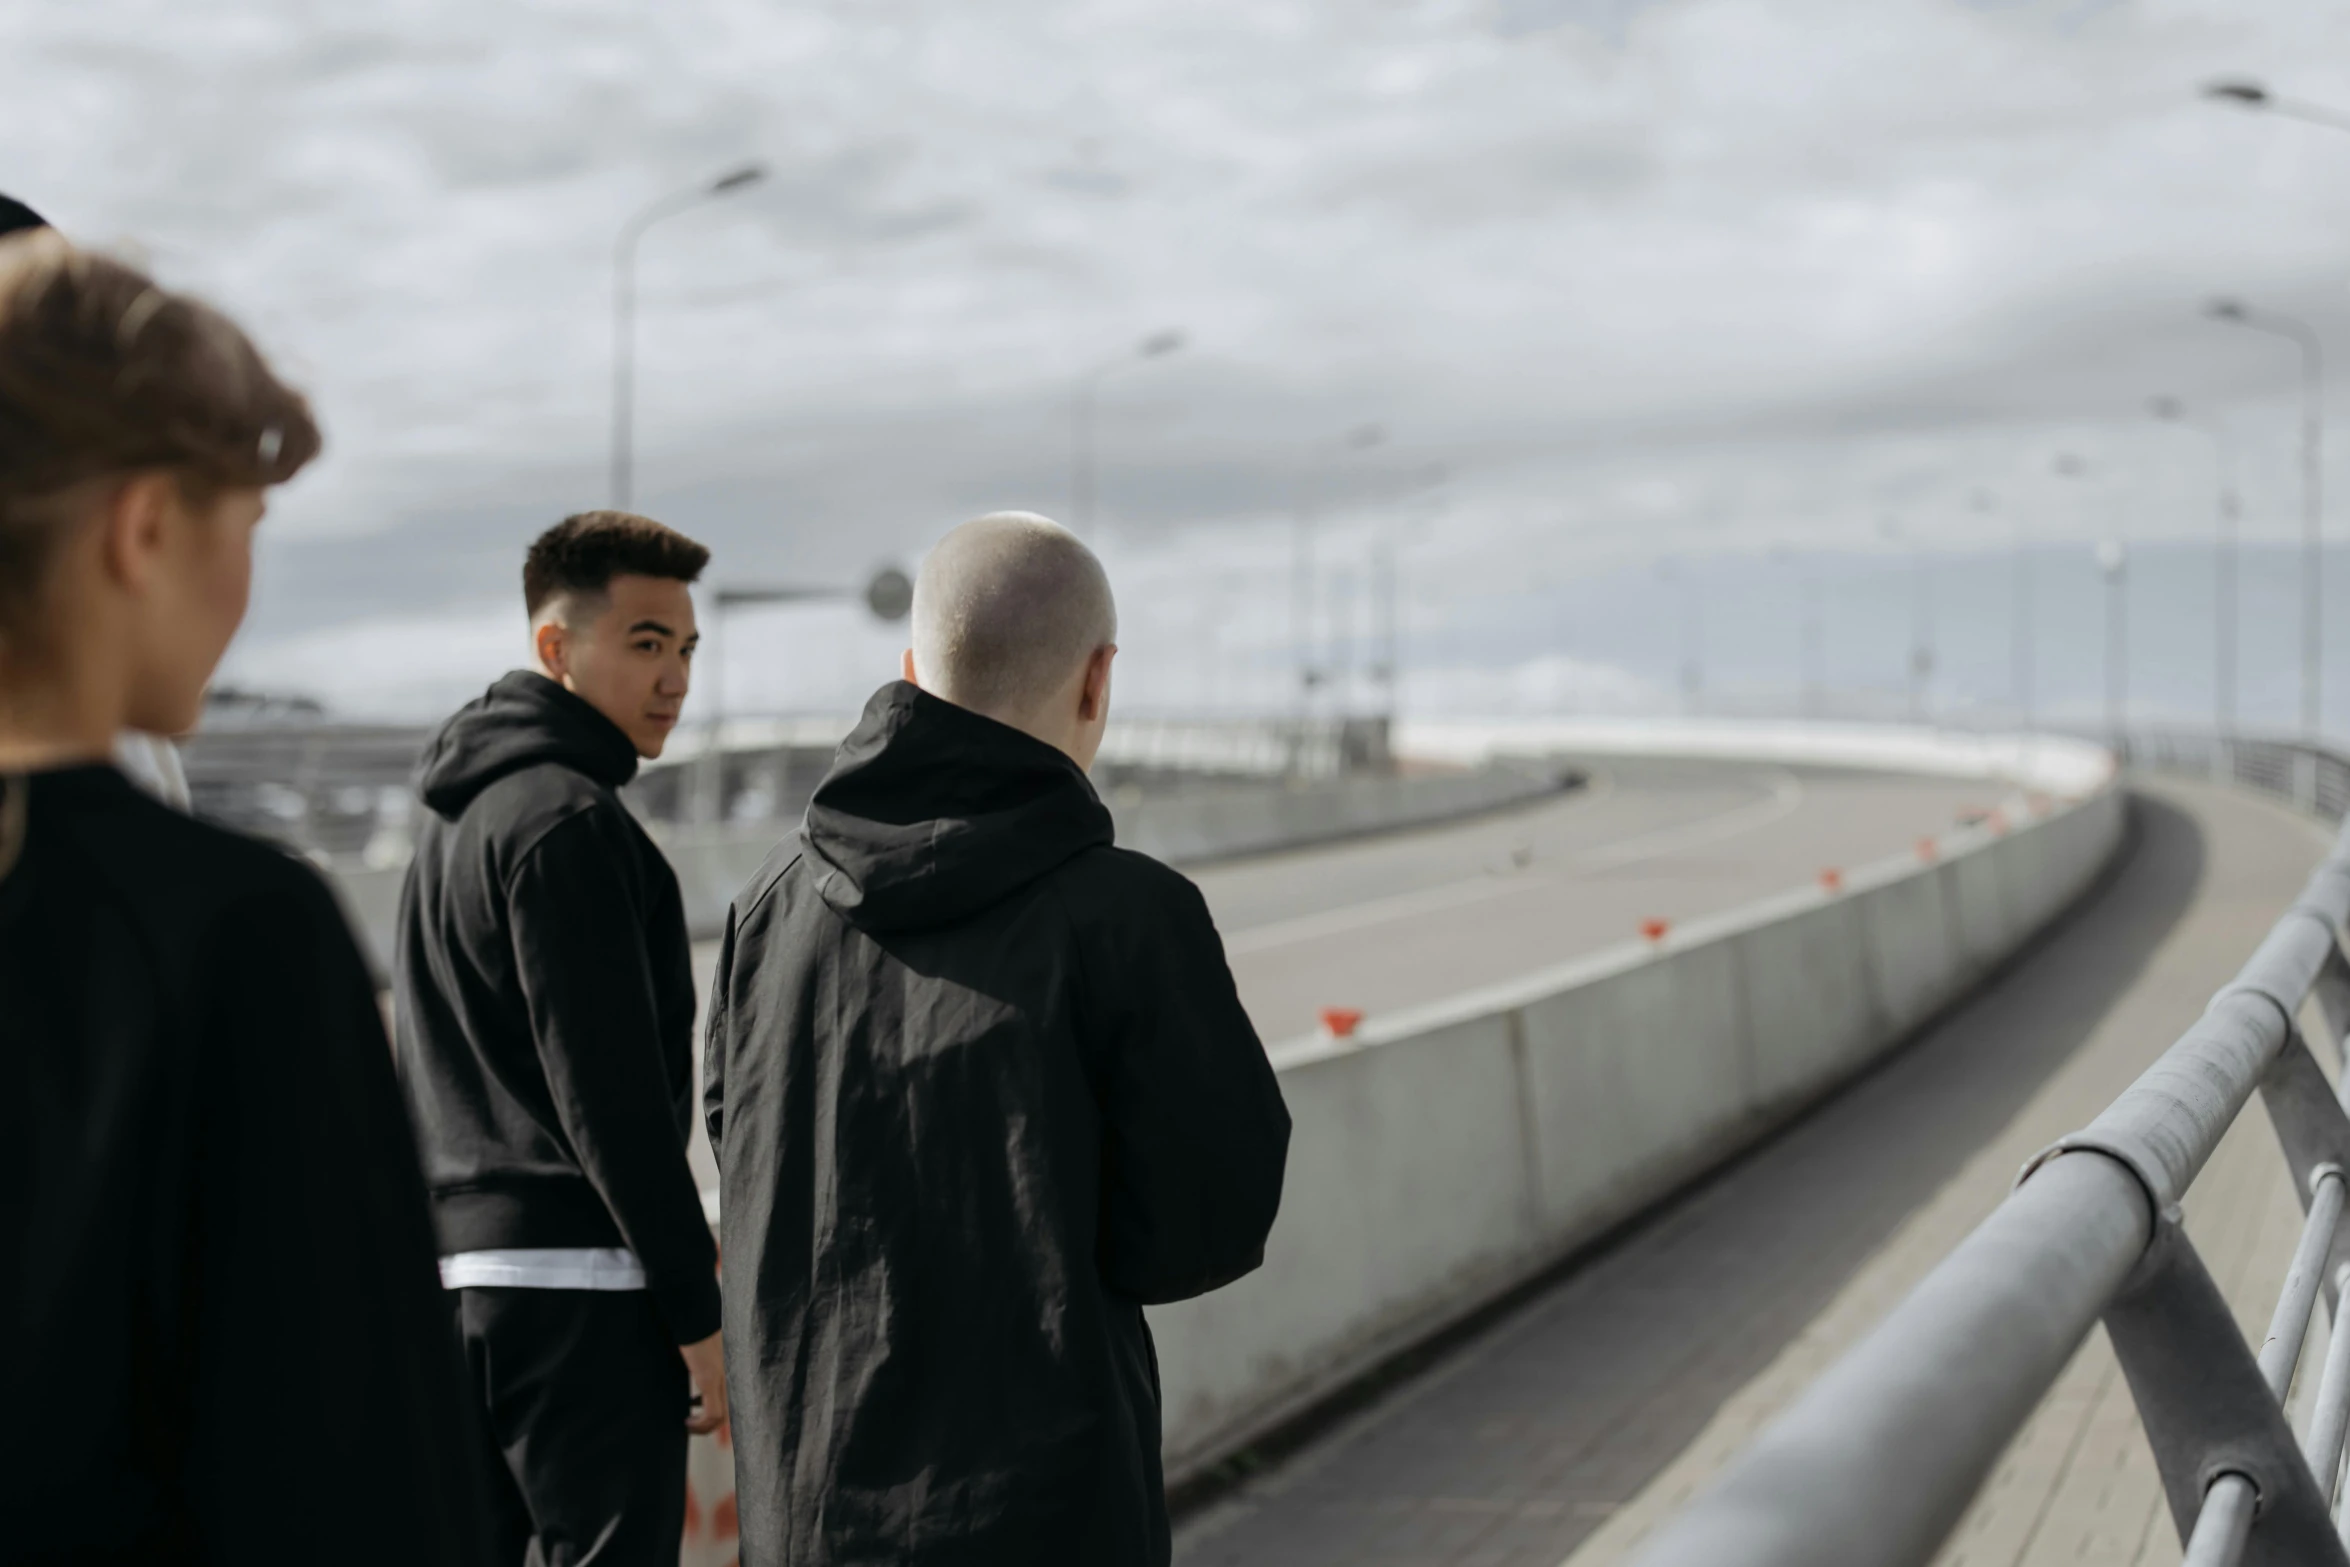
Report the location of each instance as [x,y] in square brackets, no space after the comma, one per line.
[1006,608]
[105,374]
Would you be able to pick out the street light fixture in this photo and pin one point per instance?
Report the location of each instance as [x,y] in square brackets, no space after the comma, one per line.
[2246,94]
[2234,312]
[1310,675]
[2223,608]
[1082,471]
[624,311]
[1921,631]
[2113,563]
[888,595]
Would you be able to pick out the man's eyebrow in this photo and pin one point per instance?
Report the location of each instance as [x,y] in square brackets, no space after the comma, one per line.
[650,625]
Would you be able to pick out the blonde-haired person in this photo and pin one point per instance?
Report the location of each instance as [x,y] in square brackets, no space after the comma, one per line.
[150,761]
[224,1338]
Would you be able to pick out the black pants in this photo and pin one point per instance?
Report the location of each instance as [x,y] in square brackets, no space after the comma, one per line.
[583,1400]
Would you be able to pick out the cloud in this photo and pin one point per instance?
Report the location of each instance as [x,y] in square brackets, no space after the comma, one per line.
[1794,263]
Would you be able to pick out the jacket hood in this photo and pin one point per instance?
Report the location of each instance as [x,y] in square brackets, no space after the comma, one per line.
[523,720]
[932,812]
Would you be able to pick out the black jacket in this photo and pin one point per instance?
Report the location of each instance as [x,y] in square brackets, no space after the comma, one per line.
[544,999]
[980,1089]
[221,1335]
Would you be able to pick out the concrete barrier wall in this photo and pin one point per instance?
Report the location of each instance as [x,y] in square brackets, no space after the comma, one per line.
[1218,821]
[1443,1157]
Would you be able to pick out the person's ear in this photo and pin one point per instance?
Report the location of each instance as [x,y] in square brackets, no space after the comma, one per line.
[906,668]
[549,642]
[139,520]
[1093,696]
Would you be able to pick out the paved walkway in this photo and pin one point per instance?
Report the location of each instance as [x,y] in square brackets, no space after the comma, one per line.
[1568,1429]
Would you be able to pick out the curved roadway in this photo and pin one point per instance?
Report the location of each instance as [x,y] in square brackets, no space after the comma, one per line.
[1409,918]
[1403,919]
[1566,1423]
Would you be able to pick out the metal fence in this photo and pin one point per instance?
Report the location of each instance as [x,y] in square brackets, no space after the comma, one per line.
[1879,1458]
[2315,779]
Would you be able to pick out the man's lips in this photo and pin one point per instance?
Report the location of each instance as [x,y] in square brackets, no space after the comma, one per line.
[664,720]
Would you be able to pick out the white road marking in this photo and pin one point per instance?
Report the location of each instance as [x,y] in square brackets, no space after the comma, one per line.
[1786,797]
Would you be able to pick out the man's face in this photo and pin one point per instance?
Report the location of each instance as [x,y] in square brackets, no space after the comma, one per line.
[629,655]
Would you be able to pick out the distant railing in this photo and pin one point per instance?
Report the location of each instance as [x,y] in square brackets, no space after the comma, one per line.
[1878,1460]
[2311,777]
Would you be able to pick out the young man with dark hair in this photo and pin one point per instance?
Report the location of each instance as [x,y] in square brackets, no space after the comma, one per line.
[980,1089]
[544,1004]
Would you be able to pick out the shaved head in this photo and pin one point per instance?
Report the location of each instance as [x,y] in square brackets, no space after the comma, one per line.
[1007,610]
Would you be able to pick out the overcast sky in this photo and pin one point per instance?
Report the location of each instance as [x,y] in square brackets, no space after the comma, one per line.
[1690,277]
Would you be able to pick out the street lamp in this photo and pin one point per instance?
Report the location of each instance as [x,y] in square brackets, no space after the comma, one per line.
[1387,668]
[2302,335]
[1310,675]
[1692,634]
[1921,631]
[2252,95]
[2223,606]
[624,311]
[888,595]
[1081,421]
[2113,562]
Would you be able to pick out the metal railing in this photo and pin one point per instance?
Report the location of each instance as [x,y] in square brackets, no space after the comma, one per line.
[1877,1461]
[2310,777]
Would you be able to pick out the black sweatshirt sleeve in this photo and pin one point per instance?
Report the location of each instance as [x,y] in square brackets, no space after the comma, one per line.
[1196,1134]
[579,950]
[327,1398]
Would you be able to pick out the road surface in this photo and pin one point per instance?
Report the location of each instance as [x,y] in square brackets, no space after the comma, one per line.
[1403,919]
[1571,1422]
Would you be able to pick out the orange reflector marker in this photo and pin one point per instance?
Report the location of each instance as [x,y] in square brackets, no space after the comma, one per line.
[1655,930]
[1928,850]
[1341,1022]
[1832,880]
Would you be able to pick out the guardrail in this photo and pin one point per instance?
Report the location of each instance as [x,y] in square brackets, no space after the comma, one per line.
[2310,777]
[1878,1460]
[1444,1156]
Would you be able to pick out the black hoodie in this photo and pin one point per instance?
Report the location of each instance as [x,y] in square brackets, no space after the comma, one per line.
[221,1337]
[980,1089]
[544,999]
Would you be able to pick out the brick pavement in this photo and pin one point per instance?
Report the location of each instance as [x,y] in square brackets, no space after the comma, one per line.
[1598,1406]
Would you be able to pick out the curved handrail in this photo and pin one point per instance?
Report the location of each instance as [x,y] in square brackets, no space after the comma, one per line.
[1880,1457]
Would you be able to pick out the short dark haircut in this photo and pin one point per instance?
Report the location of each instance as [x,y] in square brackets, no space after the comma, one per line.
[583,553]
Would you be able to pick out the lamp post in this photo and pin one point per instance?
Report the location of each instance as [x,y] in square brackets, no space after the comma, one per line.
[1310,674]
[1082,408]
[1672,570]
[624,312]
[2223,576]
[1387,637]
[888,596]
[2113,563]
[1921,626]
[2252,95]
[2066,465]
[2303,336]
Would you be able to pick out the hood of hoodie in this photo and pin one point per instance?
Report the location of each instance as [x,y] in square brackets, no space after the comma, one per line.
[523,720]
[932,812]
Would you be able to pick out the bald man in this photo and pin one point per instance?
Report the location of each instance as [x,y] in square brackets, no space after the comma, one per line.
[980,1090]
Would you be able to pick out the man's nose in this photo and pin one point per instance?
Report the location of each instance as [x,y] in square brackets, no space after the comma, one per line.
[675,679]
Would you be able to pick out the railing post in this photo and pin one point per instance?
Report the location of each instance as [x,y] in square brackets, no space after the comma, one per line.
[2209,1413]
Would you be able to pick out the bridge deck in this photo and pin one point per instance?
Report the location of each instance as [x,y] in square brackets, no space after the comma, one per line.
[1595,1406]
